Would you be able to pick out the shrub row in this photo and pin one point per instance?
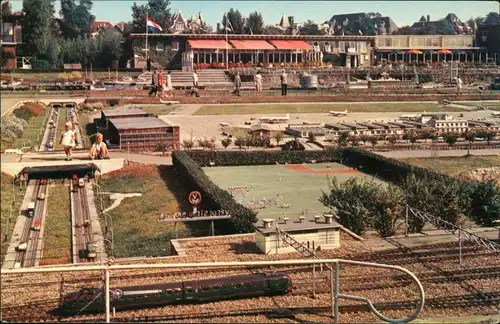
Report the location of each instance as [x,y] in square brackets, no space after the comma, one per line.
[213,197]
[234,158]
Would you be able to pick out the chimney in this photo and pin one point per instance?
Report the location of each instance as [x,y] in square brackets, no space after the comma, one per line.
[267,222]
[328,218]
[428,18]
[316,218]
[301,219]
[286,219]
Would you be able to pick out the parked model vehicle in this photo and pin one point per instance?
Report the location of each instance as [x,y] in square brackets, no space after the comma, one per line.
[31,209]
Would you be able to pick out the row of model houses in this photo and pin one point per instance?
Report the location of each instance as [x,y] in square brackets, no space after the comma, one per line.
[428,123]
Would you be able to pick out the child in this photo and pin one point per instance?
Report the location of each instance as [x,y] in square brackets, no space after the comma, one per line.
[99,149]
[68,139]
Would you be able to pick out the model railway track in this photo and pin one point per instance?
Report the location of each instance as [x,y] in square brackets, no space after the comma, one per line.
[28,258]
[52,131]
[82,223]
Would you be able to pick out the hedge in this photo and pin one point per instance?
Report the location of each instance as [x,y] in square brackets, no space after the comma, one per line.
[235,158]
[213,197]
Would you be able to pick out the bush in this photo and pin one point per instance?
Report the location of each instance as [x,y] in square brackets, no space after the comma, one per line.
[19,121]
[23,113]
[8,135]
[113,102]
[88,107]
[233,158]
[34,107]
[14,126]
[293,146]
[98,105]
[214,198]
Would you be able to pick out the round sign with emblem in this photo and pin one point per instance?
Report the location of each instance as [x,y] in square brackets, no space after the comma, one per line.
[195,197]
[117,294]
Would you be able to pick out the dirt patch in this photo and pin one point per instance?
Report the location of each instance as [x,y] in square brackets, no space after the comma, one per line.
[483,175]
[303,168]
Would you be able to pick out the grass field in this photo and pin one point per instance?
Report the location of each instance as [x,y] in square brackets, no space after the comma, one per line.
[135,226]
[456,165]
[320,108]
[33,133]
[487,104]
[57,233]
[301,189]
[8,196]
[159,109]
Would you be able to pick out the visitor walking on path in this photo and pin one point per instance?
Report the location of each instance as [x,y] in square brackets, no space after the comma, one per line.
[194,90]
[68,139]
[237,84]
[258,82]
[160,81]
[154,84]
[284,83]
[459,86]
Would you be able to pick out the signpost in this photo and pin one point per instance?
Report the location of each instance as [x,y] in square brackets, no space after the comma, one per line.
[195,199]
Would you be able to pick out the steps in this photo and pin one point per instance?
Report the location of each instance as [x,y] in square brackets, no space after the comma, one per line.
[206,78]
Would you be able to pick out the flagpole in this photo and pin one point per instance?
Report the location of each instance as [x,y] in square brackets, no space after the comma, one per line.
[227,45]
[146,40]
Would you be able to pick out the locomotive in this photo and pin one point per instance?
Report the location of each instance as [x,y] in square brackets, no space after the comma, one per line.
[197,291]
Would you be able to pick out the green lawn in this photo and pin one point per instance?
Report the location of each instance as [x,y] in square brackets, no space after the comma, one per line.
[320,108]
[57,233]
[456,165]
[135,226]
[8,214]
[159,109]
[33,133]
[299,189]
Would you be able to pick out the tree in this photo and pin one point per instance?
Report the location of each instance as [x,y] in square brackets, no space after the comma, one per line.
[343,138]
[485,204]
[388,208]
[239,142]
[76,18]
[235,21]
[374,142]
[255,23]
[278,137]
[158,10]
[6,9]
[112,47]
[392,140]
[188,144]
[450,139]
[492,18]
[310,28]
[226,142]
[37,27]
[271,30]
[469,137]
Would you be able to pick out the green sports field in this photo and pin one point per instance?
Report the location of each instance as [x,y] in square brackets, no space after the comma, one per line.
[299,186]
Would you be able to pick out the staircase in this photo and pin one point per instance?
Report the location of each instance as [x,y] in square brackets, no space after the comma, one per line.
[213,79]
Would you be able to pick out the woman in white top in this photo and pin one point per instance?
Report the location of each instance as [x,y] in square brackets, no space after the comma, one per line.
[68,139]
[258,82]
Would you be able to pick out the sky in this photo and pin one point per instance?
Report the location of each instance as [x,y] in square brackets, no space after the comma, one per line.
[402,12]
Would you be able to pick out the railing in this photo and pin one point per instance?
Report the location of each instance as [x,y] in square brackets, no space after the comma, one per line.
[334,279]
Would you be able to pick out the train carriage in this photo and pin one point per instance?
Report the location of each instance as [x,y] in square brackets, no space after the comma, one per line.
[209,290]
[31,209]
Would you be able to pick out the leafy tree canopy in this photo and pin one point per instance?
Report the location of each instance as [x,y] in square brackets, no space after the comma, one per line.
[76,17]
[235,21]
[37,26]
[255,24]
[158,10]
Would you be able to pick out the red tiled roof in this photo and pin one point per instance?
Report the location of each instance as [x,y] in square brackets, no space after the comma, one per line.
[290,44]
[208,44]
[251,44]
[97,25]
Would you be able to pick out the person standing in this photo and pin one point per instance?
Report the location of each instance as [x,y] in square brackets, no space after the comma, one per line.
[154,84]
[194,90]
[168,82]
[284,82]
[258,82]
[160,82]
[237,84]
[68,139]
[459,85]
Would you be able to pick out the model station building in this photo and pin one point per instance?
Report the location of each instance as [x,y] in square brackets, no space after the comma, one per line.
[133,129]
[320,234]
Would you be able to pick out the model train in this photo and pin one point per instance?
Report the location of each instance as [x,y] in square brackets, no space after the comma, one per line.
[208,290]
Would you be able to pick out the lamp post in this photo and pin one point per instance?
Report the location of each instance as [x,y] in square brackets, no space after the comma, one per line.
[128,153]
[227,44]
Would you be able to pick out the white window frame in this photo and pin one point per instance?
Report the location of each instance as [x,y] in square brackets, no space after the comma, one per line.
[175,45]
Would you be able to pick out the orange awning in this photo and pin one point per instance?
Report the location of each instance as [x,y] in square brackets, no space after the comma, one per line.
[414,51]
[251,44]
[444,51]
[290,45]
[208,44]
